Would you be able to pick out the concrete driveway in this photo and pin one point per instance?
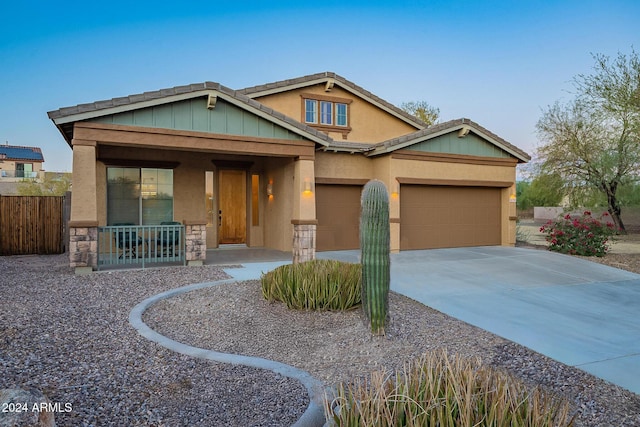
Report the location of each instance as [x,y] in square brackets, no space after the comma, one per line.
[575,311]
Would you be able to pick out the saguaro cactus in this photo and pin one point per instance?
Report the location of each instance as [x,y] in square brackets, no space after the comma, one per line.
[374,247]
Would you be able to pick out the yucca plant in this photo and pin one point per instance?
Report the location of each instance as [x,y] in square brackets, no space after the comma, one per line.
[375,257]
[314,285]
[438,390]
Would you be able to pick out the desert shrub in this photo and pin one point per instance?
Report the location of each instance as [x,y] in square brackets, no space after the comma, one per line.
[314,285]
[584,235]
[438,390]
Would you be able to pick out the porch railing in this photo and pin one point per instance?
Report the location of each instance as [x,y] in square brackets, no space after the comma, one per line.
[141,244]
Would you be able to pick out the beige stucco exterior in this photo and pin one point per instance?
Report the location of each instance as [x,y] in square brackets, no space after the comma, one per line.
[282,214]
[368,122]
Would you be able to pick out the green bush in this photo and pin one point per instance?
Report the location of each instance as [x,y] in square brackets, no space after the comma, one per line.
[584,235]
[438,390]
[314,285]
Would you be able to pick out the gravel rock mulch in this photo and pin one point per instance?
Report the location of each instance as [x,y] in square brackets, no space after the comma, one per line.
[69,336]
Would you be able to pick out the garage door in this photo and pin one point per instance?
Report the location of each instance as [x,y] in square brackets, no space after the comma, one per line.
[448,216]
[338,214]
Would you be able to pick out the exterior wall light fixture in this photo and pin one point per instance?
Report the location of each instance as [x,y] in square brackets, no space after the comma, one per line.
[307,186]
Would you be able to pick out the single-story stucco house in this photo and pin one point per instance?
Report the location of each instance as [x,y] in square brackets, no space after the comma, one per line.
[281,165]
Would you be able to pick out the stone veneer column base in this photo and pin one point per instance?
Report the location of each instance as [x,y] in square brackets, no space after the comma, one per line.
[83,248]
[196,243]
[304,242]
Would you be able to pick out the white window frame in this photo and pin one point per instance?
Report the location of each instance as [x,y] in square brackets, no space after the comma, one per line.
[326,118]
[345,115]
[311,112]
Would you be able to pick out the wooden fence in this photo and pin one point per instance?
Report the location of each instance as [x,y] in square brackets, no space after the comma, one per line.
[32,225]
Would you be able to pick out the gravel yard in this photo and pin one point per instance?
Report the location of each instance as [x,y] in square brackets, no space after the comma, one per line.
[69,336]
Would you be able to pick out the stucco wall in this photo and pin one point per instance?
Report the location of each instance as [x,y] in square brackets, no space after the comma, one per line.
[343,165]
[446,170]
[278,231]
[368,122]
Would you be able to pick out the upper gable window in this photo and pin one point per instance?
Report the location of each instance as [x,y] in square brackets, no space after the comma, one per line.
[310,111]
[341,114]
[326,112]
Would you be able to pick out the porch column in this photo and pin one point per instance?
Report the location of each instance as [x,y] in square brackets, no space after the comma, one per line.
[304,211]
[394,214]
[83,224]
[195,241]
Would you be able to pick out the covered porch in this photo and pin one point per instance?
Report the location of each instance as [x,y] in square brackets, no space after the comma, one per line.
[219,189]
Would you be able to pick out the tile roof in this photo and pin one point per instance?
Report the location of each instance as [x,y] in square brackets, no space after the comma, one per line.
[134,99]
[14,152]
[284,85]
[244,96]
[96,107]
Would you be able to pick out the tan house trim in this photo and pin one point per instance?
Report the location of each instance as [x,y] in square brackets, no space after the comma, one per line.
[160,138]
[86,143]
[452,158]
[319,97]
[194,221]
[83,224]
[341,181]
[304,221]
[231,164]
[138,163]
[455,182]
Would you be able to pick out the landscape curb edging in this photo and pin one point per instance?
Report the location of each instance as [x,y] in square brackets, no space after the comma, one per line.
[314,414]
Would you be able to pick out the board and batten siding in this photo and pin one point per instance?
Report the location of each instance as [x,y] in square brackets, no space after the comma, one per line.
[193,115]
[450,143]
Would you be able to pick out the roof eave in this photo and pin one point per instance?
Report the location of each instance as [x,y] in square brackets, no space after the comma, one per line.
[60,117]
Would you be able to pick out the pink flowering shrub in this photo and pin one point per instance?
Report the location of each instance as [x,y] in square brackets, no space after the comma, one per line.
[584,235]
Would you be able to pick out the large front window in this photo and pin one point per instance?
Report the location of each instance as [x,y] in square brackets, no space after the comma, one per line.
[139,196]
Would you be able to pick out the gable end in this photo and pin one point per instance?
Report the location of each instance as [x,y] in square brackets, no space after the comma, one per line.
[197,115]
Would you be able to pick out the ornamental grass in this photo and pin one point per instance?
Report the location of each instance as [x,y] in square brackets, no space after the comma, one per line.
[314,285]
[444,391]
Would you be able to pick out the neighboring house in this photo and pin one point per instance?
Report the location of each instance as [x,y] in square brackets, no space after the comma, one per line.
[281,166]
[18,162]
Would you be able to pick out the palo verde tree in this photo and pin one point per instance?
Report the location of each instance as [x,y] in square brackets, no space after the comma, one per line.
[422,111]
[594,140]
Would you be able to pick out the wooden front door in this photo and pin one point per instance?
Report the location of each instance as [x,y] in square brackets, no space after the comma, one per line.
[232,208]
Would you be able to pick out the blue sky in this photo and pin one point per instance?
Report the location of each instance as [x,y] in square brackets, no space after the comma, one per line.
[498,63]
